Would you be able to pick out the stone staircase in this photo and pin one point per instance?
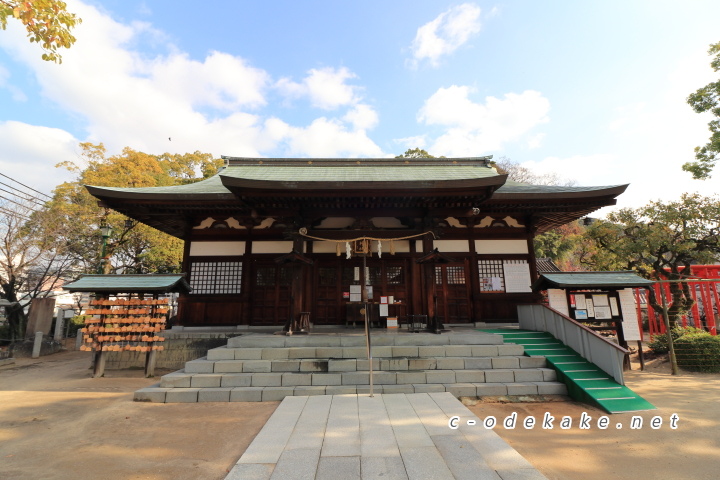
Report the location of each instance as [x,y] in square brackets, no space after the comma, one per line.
[261,367]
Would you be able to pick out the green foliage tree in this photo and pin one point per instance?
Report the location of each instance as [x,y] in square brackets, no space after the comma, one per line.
[47,22]
[416,153]
[707,99]
[132,247]
[660,240]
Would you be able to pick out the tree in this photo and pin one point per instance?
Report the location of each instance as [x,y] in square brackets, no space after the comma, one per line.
[31,265]
[132,247]
[47,22]
[416,153]
[561,245]
[661,241]
[707,99]
[518,173]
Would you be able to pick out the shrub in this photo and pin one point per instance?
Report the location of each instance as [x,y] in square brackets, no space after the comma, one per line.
[659,343]
[698,352]
[75,323]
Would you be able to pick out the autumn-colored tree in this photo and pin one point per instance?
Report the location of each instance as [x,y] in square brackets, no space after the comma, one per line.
[661,240]
[131,247]
[47,22]
[707,99]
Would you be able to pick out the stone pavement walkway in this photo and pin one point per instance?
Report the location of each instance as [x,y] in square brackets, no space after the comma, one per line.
[388,437]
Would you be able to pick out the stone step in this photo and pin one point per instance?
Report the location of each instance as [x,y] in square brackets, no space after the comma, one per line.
[158,394]
[203,365]
[399,339]
[378,351]
[382,377]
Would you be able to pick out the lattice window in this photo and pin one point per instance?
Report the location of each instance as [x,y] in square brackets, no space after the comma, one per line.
[395,275]
[455,275]
[216,278]
[271,276]
[492,276]
[327,277]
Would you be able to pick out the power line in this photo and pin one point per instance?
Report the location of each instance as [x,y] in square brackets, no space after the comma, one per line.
[14,214]
[16,203]
[36,191]
[24,193]
[22,198]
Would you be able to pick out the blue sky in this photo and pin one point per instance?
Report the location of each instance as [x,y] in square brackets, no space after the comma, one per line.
[594,91]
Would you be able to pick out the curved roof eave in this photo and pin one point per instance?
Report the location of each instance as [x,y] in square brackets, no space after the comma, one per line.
[520,192]
[208,189]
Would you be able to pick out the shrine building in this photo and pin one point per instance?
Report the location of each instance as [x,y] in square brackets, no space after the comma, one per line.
[268,238]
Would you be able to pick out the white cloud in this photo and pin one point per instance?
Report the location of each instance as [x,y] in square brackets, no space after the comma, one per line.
[473,127]
[168,102]
[536,141]
[417,141]
[446,33]
[325,87]
[25,152]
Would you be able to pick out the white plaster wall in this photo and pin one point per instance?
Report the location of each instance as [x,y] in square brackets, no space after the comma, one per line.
[501,246]
[401,246]
[419,246]
[450,246]
[272,247]
[327,247]
[214,249]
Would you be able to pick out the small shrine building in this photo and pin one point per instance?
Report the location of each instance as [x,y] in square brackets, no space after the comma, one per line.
[267,238]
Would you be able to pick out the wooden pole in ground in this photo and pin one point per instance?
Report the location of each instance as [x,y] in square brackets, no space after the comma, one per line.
[666,320]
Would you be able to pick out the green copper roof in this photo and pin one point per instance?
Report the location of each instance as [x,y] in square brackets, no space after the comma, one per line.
[621,279]
[129,284]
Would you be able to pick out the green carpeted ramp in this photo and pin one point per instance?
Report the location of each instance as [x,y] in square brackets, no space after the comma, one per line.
[585,381]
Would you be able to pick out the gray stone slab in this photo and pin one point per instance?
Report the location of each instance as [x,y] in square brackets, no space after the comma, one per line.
[295,379]
[328,352]
[465,339]
[469,376]
[251,471]
[552,388]
[270,442]
[313,365]
[478,363]
[410,377]
[301,464]
[355,378]
[206,380]
[461,389]
[384,468]
[428,387]
[355,352]
[365,389]
[392,389]
[405,351]
[176,380]
[377,438]
[214,395]
[285,366]
[522,389]
[431,415]
[462,459]
[201,365]
[301,352]
[326,379]
[381,351]
[394,364]
[334,468]
[363,365]
[221,353]
[485,350]
[450,363]
[246,394]
[248,353]
[528,375]
[182,395]
[496,451]
[409,431]
[505,362]
[422,363]
[150,394]
[342,365]
[307,390]
[425,463]
[384,378]
[549,375]
[352,341]
[342,433]
[309,431]
[510,349]
[491,389]
[257,366]
[340,390]
[431,351]
[421,339]
[230,366]
[499,376]
[274,354]
[236,380]
[533,362]
[458,351]
[267,379]
[440,376]
[274,394]
[257,341]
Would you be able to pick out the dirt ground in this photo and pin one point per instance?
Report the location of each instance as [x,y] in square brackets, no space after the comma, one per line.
[58,423]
